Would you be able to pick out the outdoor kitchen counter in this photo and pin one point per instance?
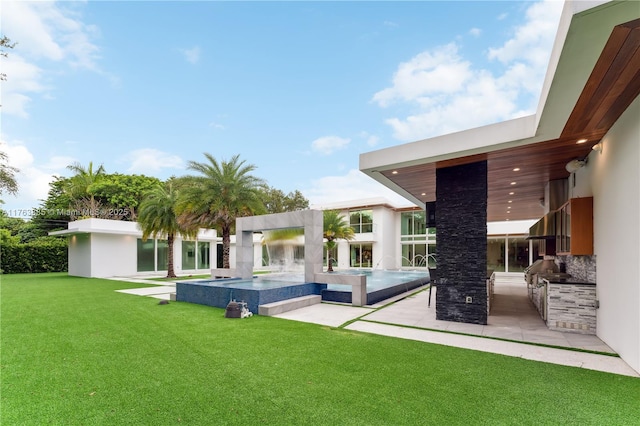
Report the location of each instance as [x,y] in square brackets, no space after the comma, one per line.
[570,305]
[567,281]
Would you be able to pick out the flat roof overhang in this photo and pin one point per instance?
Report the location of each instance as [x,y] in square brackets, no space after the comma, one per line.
[593,76]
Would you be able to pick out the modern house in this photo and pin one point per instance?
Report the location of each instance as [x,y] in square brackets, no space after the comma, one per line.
[583,138]
[109,248]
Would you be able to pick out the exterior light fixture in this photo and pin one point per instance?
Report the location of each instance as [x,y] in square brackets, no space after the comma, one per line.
[513,183]
[510,201]
[581,141]
[517,169]
[574,165]
[597,147]
[511,193]
[395,172]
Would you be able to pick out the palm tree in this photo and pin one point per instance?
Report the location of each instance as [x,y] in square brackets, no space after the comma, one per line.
[157,216]
[224,191]
[335,228]
[80,184]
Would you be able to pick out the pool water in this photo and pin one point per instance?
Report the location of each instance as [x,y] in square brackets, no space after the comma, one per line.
[381,284]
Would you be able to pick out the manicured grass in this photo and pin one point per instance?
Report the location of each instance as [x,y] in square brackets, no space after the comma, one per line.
[74,352]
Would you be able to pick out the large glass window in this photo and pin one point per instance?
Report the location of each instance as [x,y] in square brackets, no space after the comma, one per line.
[146,252]
[361,221]
[188,255]
[204,261]
[518,254]
[418,241]
[495,254]
[333,254]
[413,223]
[163,255]
[360,255]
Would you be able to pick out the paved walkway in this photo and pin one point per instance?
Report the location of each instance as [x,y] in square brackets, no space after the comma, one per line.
[512,318]
[407,316]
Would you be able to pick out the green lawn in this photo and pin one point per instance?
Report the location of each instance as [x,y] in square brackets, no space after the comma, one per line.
[74,352]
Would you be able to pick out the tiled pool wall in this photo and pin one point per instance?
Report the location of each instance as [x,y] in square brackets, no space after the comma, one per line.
[206,293]
[374,296]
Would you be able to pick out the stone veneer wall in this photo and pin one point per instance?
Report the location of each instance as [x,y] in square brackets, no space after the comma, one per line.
[571,308]
[579,267]
[461,248]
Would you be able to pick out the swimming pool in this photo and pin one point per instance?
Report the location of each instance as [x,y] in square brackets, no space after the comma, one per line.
[381,284]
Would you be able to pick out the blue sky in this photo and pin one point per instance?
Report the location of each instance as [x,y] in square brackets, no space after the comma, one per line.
[299,89]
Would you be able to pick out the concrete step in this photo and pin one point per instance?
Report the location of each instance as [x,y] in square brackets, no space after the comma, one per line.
[275,308]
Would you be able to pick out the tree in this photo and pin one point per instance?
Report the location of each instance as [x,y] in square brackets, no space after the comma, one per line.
[335,227]
[157,216]
[124,192]
[81,186]
[275,201]
[5,43]
[222,192]
[8,181]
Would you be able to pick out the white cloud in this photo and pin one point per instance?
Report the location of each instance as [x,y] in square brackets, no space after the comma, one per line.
[33,179]
[46,33]
[476,32]
[150,161]
[531,41]
[448,94]
[329,144]
[216,125]
[429,73]
[191,55]
[351,186]
[372,140]
[390,24]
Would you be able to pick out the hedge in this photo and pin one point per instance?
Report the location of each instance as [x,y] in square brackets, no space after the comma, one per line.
[36,256]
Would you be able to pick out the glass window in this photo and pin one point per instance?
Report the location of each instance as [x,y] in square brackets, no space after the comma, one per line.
[146,261]
[495,254]
[518,254]
[333,254]
[361,221]
[361,255]
[188,255]
[204,261]
[163,255]
[416,255]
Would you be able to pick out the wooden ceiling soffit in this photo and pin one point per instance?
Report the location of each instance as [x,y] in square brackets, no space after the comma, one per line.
[613,84]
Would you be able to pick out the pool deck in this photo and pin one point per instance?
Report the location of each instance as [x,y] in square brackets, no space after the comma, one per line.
[514,327]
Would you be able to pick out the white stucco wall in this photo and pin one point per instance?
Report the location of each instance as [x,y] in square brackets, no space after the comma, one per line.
[613,177]
[80,255]
[113,255]
[384,250]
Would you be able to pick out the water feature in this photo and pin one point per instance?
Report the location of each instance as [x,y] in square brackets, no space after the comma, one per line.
[268,288]
[256,291]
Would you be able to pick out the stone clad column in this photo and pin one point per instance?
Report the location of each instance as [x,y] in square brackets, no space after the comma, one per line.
[461,243]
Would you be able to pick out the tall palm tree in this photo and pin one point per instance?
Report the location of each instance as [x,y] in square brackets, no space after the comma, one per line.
[157,217]
[335,227]
[80,184]
[222,192]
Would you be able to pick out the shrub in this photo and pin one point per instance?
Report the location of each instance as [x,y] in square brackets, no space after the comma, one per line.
[41,255]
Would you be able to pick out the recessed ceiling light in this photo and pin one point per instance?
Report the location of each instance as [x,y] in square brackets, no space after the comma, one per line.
[508,212]
[511,193]
[510,201]
[507,219]
[517,169]
[513,183]
[424,193]
[579,141]
[395,172]
[508,209]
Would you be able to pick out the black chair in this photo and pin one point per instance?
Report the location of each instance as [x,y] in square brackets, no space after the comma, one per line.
[433,283]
